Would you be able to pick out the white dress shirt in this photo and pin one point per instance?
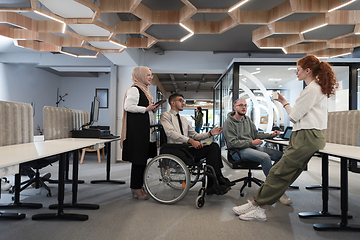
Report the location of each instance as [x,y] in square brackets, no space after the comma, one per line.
[310,109]
[170,123]
[131,105]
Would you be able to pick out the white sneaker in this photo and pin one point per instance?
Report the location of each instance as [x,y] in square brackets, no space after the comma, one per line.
[245,208]
[285,200]
[255,215]
[5,185]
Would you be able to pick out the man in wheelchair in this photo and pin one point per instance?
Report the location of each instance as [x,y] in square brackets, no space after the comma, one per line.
[179,131]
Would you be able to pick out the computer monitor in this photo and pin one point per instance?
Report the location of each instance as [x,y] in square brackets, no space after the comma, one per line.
[94,114]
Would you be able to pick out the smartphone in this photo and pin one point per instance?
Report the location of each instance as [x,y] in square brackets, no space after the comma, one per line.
[160,102]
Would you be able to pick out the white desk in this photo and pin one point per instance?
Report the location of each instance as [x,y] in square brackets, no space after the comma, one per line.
[16,154]
[344,152]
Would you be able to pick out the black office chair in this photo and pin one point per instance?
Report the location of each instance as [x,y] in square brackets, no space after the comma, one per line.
[243,164]
[39,181]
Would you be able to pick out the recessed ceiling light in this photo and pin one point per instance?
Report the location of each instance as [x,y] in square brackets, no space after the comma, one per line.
[275,79]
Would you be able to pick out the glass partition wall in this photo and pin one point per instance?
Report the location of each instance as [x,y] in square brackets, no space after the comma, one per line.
[257,83]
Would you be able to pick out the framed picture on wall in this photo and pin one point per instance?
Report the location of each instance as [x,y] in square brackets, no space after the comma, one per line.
[103,95]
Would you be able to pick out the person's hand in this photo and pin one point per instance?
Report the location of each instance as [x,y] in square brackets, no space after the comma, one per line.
[257,142]
[195,144]
[151,107]
[275,133]
[216,130]
[156,108]
[192,117]
[281,99]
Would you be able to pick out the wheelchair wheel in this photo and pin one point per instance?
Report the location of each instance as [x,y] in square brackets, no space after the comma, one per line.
[167,178]
[200,201]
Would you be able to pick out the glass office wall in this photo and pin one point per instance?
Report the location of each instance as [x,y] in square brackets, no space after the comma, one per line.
[358,88]
[340,101]
[257,82]
[227,95]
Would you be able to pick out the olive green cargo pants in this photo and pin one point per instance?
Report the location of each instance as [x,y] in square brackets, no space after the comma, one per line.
[302,145]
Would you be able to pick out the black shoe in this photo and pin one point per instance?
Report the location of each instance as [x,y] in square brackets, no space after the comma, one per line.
[225,181]
[220,190]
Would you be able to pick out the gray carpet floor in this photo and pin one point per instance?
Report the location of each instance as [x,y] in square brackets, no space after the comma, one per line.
[122,217]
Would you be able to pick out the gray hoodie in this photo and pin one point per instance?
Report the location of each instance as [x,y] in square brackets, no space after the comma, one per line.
[239,134]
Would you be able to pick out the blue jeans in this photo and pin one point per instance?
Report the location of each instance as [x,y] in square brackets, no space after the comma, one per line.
[261,155]
[197,129]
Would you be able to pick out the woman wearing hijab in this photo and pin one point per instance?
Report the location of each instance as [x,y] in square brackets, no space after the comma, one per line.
[137,141]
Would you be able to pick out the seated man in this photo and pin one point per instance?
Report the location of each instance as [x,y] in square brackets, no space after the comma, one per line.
[178,130]
[240,132]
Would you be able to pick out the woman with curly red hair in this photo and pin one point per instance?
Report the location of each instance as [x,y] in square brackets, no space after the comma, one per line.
[309,116]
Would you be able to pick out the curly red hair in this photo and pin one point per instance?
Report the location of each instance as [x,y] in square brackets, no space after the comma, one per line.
[323,72]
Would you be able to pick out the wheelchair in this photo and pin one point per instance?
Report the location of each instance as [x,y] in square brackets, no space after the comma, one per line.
[167,177]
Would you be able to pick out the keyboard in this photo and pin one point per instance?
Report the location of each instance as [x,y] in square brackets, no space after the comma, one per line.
[109,137]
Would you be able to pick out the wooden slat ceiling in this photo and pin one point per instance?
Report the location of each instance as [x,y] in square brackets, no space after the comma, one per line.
[282,26]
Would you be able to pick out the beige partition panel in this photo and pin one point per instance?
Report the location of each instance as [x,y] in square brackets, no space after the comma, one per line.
[58,122]
[343,127]
[16,127]
[16,123]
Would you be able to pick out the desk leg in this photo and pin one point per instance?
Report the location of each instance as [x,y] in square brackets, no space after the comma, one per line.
[318,187]
[108,162]
[11,216]
[67,180]
[343,225]
[74,203]
[325,192]
[60,215]
[17,203]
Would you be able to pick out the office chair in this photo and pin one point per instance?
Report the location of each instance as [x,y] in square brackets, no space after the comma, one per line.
[244,164]
[39,181]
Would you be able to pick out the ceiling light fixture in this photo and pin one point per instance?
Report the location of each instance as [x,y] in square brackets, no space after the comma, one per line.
[186,37]
[339,55]
[188,29]
[80,56]
[67,53]
[123,46]
[274,79]
[283,49]
[343,5]
[64,28]
[253,73]
[43,14]
[237,5]
[323,25]
[292,68]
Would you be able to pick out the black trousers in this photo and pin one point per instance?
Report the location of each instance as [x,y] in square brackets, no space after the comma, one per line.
[212,153]
[137,176]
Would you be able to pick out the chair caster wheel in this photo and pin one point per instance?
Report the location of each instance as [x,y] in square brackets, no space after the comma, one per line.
[48,195]
[200,201]
[242,194]
[11,190]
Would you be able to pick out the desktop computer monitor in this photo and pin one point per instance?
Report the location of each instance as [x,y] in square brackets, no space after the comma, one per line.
[94,113]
